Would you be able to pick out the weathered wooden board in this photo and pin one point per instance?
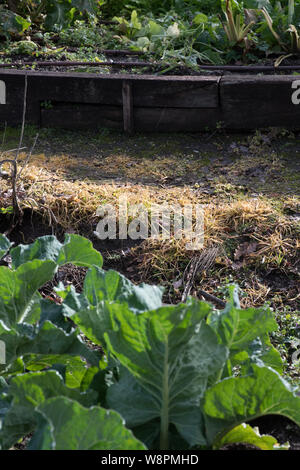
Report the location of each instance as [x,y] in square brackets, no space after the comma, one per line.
[252,102]
[180,92]
[175,119]
[175,92]
[74,88]
[82,116]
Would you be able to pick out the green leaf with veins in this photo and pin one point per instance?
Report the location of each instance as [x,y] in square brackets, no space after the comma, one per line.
[239,399]
[29,391]
[248,435]
[19,289]
[66,425]
[238,328]
[171,353]
[25,340]
[75,250]
[104,293]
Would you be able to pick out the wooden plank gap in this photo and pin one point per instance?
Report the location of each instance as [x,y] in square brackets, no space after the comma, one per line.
[128,107]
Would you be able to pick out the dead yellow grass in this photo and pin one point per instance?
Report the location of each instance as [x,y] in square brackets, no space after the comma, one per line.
[116,165]
[46,188]
[71,202]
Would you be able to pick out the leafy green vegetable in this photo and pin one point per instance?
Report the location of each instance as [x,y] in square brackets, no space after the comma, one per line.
[19,289]
[237,327]
[106,292]
[66,425]
[73,369]
[245,333]
[26,340]
[29,391]
[21,305]
[171,363]
[178,375]
[76,250]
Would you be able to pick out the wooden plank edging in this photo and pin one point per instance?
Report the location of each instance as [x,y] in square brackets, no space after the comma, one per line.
[150,103]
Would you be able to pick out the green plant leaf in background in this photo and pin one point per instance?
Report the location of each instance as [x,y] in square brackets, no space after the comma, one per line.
[73,368]
[76,250]
[105,292]
[200,18]
[11,23]
[5,245]
[155,29]
[59,14]
[237,327]
[245,332]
